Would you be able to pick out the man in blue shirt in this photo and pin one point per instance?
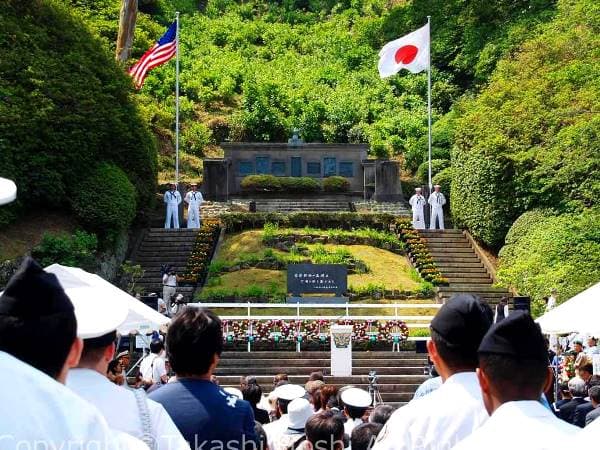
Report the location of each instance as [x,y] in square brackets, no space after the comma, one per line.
[206,415]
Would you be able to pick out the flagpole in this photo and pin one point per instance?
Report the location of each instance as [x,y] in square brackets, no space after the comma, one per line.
[177,99]
[429,102]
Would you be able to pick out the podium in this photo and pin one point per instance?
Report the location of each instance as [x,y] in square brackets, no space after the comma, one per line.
[341,350]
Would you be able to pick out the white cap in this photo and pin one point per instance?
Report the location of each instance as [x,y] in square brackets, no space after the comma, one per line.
[356,397]
[417,189]
[436,185]
[234,391]
[97,311]
[8,191]
[299,411]
[289,392]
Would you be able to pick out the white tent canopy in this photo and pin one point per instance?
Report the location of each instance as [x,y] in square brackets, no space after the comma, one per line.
[578,314]
[140,317]
[8,191]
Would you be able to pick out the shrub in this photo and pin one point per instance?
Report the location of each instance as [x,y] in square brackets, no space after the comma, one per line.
[261,183]
[545,251]
[298,185]
[437,165]
[444,179]
[105,201]
[336,184]
[76,250]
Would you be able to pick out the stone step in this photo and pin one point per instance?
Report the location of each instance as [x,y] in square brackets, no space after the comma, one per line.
[324,362]
[417,370]
[320,354]
[162,258]
[173,231]
[479,280]
[448,245]
[465,272]
[464,258]
[446,232]
[449,251]
[453,266]
[470,288]
[266,381]
[170,239]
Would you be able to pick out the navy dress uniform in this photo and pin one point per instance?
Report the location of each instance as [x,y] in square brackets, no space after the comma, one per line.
[359,401]
[276,429]
[172,199]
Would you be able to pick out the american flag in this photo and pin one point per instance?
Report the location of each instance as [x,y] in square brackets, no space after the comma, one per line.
[158,54]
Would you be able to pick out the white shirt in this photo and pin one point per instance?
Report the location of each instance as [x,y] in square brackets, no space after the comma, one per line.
[153,367]
[37,408]
[437,199]
[551,303]
[172,198]
[275,430]
[119,407]
[521,425]
[417,200]
[169,280]
[438,420]
[588,437]
[350,425]
[194,198]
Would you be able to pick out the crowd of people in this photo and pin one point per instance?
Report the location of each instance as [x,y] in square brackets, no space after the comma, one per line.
[64,387]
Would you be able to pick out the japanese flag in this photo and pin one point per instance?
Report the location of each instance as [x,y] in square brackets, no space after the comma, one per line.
[410,52]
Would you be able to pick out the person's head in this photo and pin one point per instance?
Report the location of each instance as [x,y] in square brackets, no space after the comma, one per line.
[503,301]
[381,414]
[591,342]
[313,389]
[418,191]
[364,435]
[594,393]
[586,371]
[194,187]
[172,186]
[329,394]
[565,393]
[456,332]
[114,367]
[325,431]
[279,377]
[195,342]
[356,402]
[577,387]
[578,346]
[437,188]
[316,376]
[513,362]
[299,411]
[38,323]
[156,346]
[124,358]
[285,394]
[252,393]
[261,435]
[99,353]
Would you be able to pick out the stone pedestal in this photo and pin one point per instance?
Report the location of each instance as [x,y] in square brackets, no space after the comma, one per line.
[341,350]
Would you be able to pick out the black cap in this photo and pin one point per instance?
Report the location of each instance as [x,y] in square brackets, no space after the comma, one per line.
[462,321]
[33,293]
[517,336]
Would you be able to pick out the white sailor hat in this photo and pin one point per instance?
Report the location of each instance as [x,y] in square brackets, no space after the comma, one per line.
[436,185]
[8,191]
[299,411]
[417,189]
[234,391]
[289,392]
[356,397]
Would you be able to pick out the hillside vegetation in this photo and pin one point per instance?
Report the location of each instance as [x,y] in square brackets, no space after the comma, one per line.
[66,115]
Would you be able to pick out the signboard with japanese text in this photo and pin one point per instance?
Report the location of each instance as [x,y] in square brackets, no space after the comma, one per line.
[317,279]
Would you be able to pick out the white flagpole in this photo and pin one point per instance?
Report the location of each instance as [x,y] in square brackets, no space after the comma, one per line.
[429,102]
[177,100]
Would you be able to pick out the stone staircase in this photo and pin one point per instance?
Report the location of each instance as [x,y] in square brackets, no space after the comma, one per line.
[160,246]
[399,374]
[459,262]
[396,209]
[293,205]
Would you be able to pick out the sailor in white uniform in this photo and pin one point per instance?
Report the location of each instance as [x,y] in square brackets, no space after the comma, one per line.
[513,374]
[284,394]
[437,202]
[356,402]
[194,200]
[38,345]
[172,199]
[449,414]
[126,410]
[418,202]
[299,411]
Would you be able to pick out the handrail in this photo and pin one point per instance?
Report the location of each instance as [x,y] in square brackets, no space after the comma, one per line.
[318,305]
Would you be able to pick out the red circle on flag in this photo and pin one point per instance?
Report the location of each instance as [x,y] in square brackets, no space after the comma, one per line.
[406,54]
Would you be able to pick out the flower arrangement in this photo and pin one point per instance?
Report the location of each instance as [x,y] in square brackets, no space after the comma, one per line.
[197,264]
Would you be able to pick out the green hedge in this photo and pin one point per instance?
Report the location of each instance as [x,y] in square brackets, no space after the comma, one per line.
[65,106]
[444,179]
[270,183]
[532,139]
[345,220]
[545,251]
[336,184]
[76,250]
[437,165]
[105,201]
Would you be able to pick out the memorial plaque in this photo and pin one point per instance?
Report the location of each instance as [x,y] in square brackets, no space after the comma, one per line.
[317,279]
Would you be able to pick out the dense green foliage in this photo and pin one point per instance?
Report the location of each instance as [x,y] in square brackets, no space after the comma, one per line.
[270,183]
[105,201]
[545,251]
[531,139]
[65,107]
[76,250]
[336,184]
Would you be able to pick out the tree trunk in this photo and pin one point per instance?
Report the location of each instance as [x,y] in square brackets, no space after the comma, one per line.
[127,20]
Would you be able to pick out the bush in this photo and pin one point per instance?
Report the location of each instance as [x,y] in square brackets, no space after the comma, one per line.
[444,179]
[105,201]
[545,251]
[336,184]
[270,183]
[437,165]
[76,250]
[299,185]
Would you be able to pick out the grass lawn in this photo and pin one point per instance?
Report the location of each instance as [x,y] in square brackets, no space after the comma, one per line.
[244,278]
